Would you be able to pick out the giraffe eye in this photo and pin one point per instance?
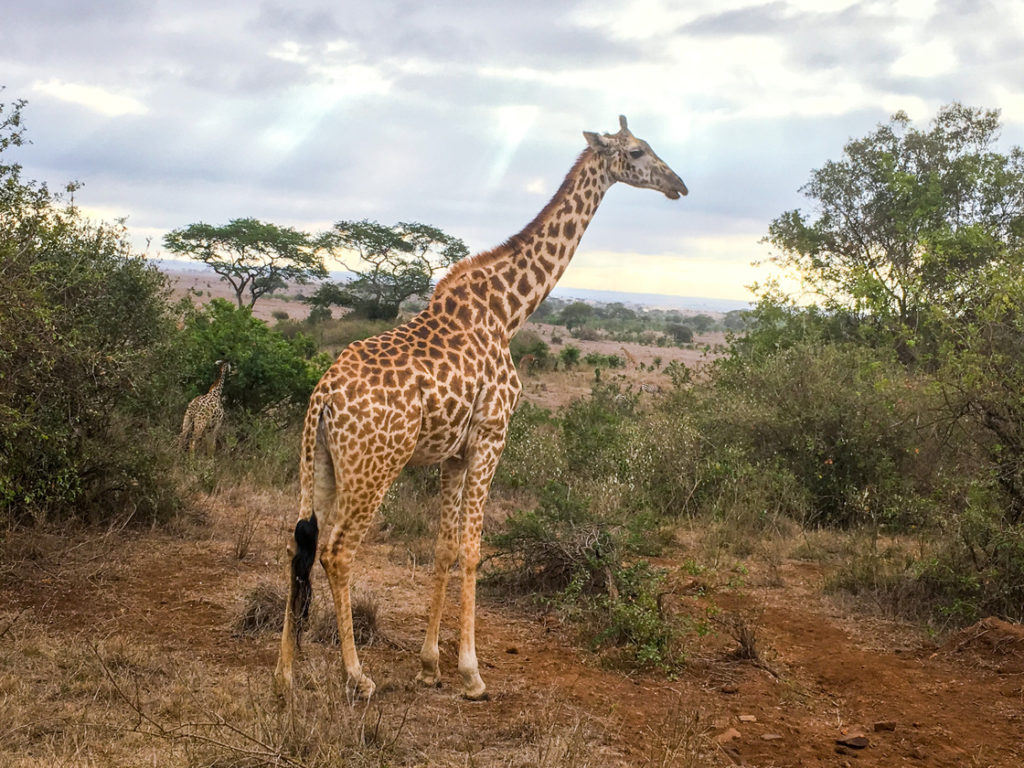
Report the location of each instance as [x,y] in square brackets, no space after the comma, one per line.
[636,154]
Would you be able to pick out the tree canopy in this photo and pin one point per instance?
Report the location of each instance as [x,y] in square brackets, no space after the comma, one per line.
[906,219]
[255,257]
[391,264]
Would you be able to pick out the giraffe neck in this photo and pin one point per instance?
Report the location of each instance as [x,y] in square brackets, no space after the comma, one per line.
[218,386]
[513,279]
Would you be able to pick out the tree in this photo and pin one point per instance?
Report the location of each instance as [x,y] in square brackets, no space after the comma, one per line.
[734,319]
[906,220]
[576,314]
[681,334]
[701,323]
[254,257]
[390,264]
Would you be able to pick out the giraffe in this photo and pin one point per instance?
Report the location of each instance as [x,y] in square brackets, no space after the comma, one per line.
[205,413]
[439,389]
[527,363]
[629,357]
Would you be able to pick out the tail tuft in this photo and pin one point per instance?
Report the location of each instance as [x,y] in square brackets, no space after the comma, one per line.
[306,534]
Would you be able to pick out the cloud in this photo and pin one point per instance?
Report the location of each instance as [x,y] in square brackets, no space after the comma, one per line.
[99,100]
[467,115]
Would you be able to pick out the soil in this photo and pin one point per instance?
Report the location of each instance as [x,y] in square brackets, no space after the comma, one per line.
[831,687]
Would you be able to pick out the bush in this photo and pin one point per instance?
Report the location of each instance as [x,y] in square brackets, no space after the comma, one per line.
[546,549]
[529,343]
[267,369]
[839,419]
[84,330]
[533,454]
[569,356]
[594,433]
[604,361]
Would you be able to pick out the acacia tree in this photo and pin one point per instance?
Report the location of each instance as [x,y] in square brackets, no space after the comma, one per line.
[905,221]
[254,257]
[390,264]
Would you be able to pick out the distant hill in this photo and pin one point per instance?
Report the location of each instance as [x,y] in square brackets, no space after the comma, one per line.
[646,300]
[651,300]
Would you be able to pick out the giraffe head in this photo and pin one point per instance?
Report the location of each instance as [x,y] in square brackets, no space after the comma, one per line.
[631,160]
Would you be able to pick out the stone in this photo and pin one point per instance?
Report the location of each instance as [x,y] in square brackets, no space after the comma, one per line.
[726,736]
[853,742]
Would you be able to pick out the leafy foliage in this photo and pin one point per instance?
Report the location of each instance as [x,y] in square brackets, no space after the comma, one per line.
[83,329]
[268,369]
[391,264]
[254,257]
[906,220]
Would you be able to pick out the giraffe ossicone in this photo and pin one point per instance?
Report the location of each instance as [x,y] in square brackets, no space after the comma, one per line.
[205,414]
[439,389]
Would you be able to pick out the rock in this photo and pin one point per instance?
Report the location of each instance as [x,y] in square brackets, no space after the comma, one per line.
[885,725]
[512,650]
[853,742]
[729,688]
[726,736]
[748,719]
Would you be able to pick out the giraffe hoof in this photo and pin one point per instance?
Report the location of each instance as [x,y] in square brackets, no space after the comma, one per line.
[429,679]
[282,682]
[482,696]
[363,688]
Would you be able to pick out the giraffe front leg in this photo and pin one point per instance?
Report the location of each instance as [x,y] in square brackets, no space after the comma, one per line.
[453,476]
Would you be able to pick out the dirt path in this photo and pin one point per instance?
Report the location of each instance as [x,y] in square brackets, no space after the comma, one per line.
[826,676]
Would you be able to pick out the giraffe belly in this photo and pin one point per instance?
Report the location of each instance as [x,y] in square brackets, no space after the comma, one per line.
[443,431]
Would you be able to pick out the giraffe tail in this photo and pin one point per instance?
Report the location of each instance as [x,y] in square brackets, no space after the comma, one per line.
[306,534]
[307,529]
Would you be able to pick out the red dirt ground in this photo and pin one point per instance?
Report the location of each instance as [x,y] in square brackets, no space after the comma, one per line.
[827,676]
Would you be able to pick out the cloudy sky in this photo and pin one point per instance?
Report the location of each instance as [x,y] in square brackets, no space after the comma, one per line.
[466,115]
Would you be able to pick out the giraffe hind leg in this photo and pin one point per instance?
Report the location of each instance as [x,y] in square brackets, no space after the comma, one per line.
[453,477]
[303,549]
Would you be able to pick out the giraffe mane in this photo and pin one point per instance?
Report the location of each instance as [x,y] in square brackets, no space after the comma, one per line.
[484,259]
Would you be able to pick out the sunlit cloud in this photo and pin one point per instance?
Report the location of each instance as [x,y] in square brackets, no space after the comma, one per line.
[91,97]
[929,59]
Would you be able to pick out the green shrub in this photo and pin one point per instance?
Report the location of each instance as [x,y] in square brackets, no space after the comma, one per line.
[84,330]
[530,343]
[595,435]
[634,622]
[569,356]
[544,550]
[840,419]
[267,369]
[604,361]
[533,455]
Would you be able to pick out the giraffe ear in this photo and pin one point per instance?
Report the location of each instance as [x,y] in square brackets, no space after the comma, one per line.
[598,143]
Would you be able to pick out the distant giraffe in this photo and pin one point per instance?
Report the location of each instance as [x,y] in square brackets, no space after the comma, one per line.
[632,360]
[439,390]
[205,414]
[527,363]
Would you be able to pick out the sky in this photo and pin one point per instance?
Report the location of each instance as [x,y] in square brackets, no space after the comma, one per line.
[467,115]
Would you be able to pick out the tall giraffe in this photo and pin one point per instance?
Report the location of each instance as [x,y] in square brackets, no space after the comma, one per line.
[632,360]
[205,413]
[439,390]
